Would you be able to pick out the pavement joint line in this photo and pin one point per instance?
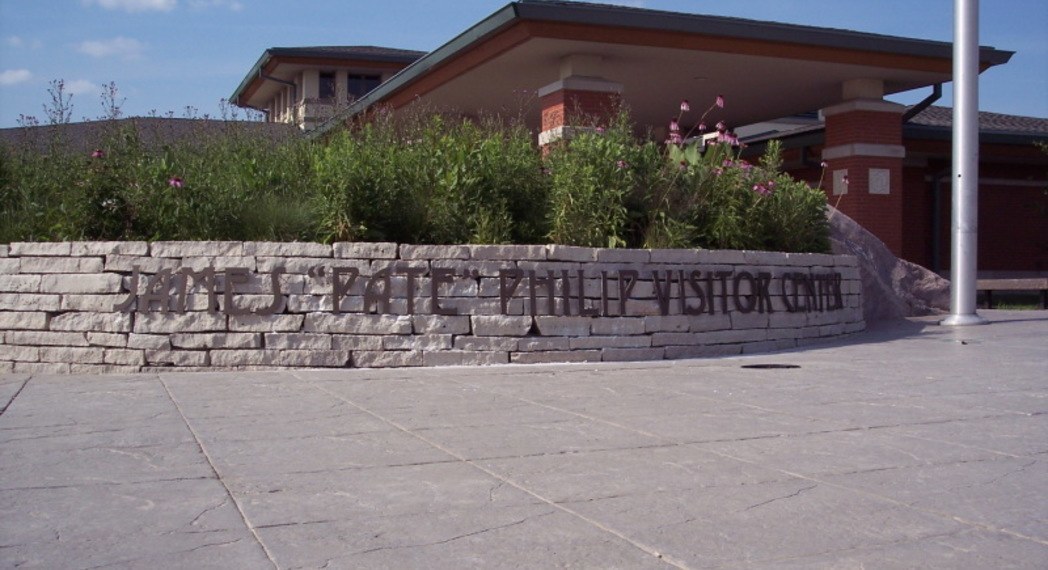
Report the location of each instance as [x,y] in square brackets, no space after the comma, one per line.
[636,544]
[211,465]
[816,480]
[15,395]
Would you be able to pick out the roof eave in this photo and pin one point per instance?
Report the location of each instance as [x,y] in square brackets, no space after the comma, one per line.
[618,16]
[252,76]
[504,17]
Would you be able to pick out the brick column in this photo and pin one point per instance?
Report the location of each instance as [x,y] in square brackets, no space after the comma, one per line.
[864,153]
[572,104]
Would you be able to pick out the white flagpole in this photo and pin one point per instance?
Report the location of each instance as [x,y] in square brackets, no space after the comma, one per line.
[965,182]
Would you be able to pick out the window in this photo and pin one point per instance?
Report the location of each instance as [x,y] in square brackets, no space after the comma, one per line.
[327,86]
[359,85]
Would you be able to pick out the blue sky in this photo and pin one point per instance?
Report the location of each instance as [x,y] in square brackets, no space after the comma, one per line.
[167,55]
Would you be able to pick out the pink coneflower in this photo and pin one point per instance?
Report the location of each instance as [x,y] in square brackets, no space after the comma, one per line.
[720,101]
[702,127]
[824,164]
[622,165]
[685,106]
[721,126]
[98,153]
[727,162]
[675,138]
[674,126]
[175,182]
[600,130]
[761,189]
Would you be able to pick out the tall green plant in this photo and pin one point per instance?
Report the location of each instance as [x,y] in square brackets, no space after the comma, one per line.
[593,180]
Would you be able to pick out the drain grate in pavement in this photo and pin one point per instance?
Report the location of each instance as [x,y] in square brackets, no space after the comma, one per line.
[770,366]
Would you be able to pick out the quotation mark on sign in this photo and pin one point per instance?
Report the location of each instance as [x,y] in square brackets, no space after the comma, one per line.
[316,272]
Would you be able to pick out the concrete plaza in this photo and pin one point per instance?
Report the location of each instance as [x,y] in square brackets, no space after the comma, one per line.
[908,446]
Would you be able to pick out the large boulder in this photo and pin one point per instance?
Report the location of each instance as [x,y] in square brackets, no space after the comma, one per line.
[891,287]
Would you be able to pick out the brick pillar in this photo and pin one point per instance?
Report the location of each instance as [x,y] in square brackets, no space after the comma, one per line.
[864,153]
[574,103]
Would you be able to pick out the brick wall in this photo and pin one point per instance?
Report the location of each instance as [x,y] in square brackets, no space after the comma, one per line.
[134,306]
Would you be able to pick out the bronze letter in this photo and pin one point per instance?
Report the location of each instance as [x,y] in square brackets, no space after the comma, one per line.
[506,291]
[339,288]
[437,277]
[234,276]
[129,303]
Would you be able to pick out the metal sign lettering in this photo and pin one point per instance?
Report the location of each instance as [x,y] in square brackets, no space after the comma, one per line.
[548,292]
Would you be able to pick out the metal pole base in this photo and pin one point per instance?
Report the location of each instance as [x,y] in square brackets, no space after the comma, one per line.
[963,320]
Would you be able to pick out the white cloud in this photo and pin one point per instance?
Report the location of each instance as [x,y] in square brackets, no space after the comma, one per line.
[233,5]
[18,42]
[135,5]
[14,76]
[126,48]
[80,87]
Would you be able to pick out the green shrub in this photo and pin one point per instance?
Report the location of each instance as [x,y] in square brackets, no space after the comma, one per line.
[417,178]
[595,180]
[431,180]
[709,197]
[221,186]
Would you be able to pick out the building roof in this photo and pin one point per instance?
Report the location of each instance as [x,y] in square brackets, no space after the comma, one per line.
[363,56]
[375,53]
[988,122]
[932,123]
[661,57]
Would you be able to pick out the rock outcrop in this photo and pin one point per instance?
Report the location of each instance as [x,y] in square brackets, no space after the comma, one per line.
[891,287]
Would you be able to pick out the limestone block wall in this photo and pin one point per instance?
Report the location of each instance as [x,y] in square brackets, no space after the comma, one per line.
[134,306]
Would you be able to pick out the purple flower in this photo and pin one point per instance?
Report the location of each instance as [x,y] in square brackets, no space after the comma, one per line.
[175,182]
[98,153]
[622,164]
[761,189]
[720,101]
[674,126]
[685,106]
[702,127]
[718,171]
[825,164]
[600,130]
[721,126]
[727,162]
[745,165]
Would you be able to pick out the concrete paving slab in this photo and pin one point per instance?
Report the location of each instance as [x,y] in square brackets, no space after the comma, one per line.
[910,445]
[183,523]
[736,526]
[531,536]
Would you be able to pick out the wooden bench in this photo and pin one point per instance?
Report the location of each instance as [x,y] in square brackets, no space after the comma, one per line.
[1021,284]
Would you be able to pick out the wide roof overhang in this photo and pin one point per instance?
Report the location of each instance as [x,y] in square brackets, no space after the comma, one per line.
[279,65]
[764,70]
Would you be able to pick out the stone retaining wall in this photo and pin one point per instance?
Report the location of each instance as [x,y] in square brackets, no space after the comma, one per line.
[135,306]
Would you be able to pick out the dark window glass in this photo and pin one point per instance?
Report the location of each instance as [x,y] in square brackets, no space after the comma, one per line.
[327,85]
[359,85]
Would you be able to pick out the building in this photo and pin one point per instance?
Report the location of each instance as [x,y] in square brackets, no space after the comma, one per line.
[306,86]
[577,59]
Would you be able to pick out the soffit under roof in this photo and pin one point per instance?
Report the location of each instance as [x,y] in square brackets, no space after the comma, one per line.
[764,69]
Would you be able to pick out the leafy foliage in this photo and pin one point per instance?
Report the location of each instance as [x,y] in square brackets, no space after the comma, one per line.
[415,178]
